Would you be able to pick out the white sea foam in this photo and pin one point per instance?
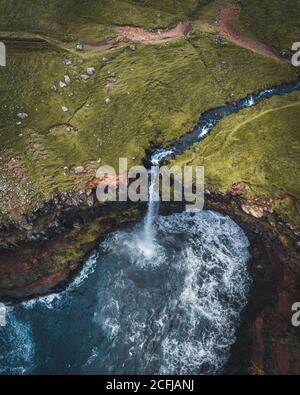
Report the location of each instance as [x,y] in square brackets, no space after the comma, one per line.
[94,355]
[134,247]
[215,275]
[183,322]
[17,340]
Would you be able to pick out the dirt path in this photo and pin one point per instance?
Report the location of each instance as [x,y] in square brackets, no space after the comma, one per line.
[227,17]
[128,34]
[228,13]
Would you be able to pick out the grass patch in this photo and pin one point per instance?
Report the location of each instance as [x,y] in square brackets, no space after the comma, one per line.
[275,22]
[261,147]
[72,19]
[157,94]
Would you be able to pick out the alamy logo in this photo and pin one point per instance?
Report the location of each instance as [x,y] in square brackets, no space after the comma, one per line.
[296,316]
[2,54]
[2,314]
[139,184]
[296,56]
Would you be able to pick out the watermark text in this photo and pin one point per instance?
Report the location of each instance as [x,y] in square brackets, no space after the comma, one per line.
[2,54]
[296,315]
[2,314]
[296,56]
[161,183]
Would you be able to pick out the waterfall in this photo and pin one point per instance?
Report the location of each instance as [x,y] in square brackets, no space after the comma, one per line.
[152,213]
[207,122]
[147,243]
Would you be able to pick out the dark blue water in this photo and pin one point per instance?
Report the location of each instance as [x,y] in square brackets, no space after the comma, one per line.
[174,311]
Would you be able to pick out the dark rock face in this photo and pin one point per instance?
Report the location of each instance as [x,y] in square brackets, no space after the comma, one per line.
[42,254]
[263,339]
[267,342]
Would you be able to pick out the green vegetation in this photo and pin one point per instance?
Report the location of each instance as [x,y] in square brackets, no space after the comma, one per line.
[261,148]
[73,19]
[275,22]
[157,94]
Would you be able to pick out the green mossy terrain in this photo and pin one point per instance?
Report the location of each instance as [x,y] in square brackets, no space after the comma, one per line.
[156,94]
[275,22]
[260,147]
[69,20]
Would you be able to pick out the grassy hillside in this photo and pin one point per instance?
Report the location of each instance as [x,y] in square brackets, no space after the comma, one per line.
[74,19]
[275,22]
[156,93]
[258,148]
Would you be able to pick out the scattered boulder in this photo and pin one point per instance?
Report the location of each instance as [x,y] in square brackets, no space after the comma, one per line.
[53,88]
[22,115]
[104,59]
[286,53]
[68,62]
[79,47]
[67,79]
[90,201]
[65,109]
[90,70]
[132,47]
[62,84]
[218,41]
[108,101]
[253,210]
[79,170]
[85,76]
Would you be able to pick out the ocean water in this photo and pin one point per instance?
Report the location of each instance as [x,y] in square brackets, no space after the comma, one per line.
[175,310]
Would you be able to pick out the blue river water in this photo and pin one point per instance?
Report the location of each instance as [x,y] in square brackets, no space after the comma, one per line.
[211,118]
